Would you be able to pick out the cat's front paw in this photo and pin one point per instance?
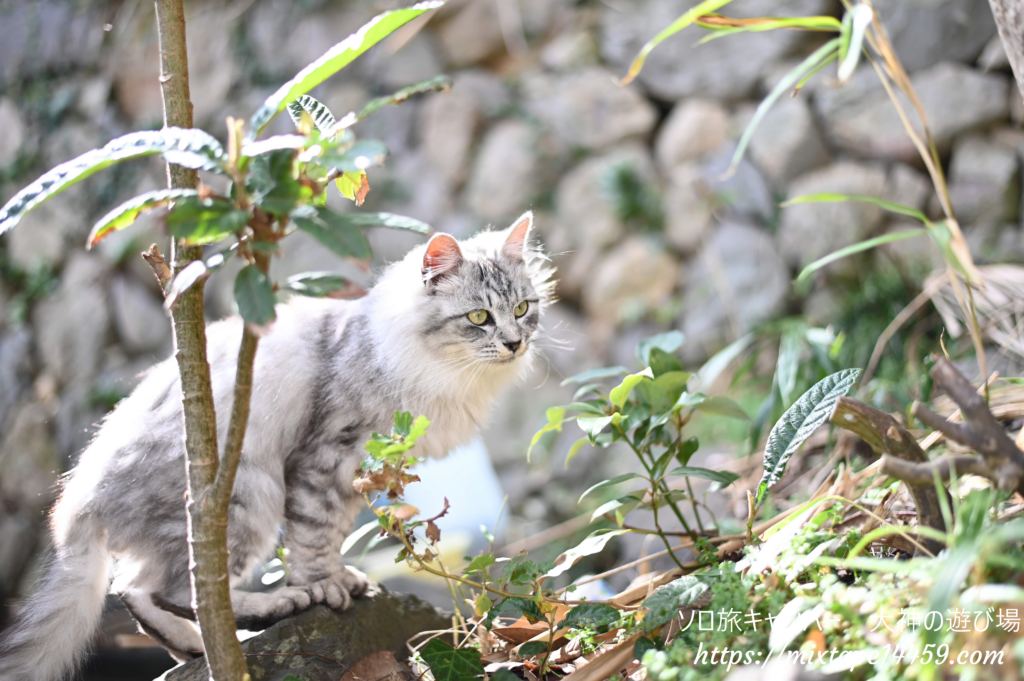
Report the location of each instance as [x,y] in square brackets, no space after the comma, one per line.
[338,589]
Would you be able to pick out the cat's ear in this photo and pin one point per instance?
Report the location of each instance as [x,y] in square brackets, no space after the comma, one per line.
[441,257]
[518,237]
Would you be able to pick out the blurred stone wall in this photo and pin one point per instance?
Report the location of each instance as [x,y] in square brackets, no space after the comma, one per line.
[535,120]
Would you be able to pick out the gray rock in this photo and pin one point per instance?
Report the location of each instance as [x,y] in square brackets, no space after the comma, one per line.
[583,203]
[787,144]
[679,67]
[907,187]
[376,622]
[72,323]
[925,32]
[46,233]
[136,72]
[49,35]
[492,96]
[503,174]
[735,282]
[812,230]
[211,60]
[993,57]
[139,316]
[918,256]
[471,35]
[588,108]
[15,370]
[13,132]
[864,120]
[447,128]
[416,61]
[688,207]
[629,281]
[984,181]
[570,50]
[694,128]
[743,193]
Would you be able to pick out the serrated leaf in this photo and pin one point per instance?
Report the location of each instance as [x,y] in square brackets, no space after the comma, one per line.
[590,616]
[187,147]
[604,372]
[129,211]
[667,342]
[810,411]
[321,116]
[620,393]
[448,664]
[514,604]
[316,284]
[666,600]
[724,478]
[594,543]
[335,59]
[337,231]
[254,296]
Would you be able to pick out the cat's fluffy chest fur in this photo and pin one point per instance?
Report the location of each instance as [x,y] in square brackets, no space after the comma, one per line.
[441,334]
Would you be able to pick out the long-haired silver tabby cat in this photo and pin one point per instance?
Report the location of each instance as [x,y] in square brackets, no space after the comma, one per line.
[441,333]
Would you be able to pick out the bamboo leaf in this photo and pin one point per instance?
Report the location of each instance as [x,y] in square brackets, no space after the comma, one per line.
[865,245]
[182,146]
[796,425]
[823,53]
[334,60]
[129,211]
[706,7]
[826,197]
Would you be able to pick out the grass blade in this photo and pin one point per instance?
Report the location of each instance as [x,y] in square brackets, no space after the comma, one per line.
[865,245]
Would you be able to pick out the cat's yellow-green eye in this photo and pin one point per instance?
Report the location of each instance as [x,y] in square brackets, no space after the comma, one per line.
[521,309]
[478,317]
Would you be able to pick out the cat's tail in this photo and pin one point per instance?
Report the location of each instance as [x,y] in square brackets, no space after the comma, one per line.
[51,633]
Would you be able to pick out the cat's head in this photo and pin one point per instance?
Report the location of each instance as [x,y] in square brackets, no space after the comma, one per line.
[484,296]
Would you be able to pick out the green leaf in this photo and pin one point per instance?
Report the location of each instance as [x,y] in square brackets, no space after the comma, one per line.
[666,342]
[184,280]
[722,406]
[403,423]
[706,7]
[504,675]
[532,649]
[865,245]
[622,507]
[129,211]
[826,51]
[182,146]
[815,23]
[480,562]
[356,158]
[687,449]
[316,284]
[592,425]
[353,539]
[862,17]
[805,416]
[418,429]
[337,231]
[590,616]
[275,143]
[664,603]
[711,370]
[642,645]
[608,483]
[605,372]
[448,664]
[204,221]
[826,197]
[724,478]
[322,117]
[662,362]
[364,220]
[350,183]
[254,296]
[574,450]
[555,416]
[620,393]
[788,365]
[594,543]
[335,59]
[1012,380]
[514,604]
[431,85]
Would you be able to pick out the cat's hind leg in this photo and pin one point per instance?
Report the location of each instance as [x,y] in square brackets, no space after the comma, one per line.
[168,624]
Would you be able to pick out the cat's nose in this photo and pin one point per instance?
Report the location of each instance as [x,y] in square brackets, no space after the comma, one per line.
[513,345]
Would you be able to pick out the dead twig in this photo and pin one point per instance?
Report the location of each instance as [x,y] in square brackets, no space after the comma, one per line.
[156,261]
[924,473]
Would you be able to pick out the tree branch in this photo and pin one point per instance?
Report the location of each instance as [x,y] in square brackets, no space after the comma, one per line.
[924,473]
[980,430]
[208,553]
[886,436]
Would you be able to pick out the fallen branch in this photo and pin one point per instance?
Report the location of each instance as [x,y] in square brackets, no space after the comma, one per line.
[924,473]
[886,436]
[980,430]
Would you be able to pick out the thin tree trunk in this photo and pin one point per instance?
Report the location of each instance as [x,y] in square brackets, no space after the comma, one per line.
[208,552]
[1009,16]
